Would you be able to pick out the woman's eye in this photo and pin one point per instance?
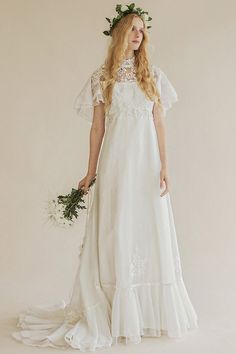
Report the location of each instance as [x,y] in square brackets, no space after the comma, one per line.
[141,30]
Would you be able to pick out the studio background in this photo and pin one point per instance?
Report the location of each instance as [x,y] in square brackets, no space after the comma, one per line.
[48,50]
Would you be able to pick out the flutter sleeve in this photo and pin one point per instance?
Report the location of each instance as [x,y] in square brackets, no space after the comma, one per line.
[166,89]
[89,96]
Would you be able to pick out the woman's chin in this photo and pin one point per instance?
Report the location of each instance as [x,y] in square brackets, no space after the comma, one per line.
[134,46]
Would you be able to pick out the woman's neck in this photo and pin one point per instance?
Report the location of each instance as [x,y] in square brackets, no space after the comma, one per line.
[129,54]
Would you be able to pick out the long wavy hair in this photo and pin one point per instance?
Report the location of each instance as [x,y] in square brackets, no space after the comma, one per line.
[115,56]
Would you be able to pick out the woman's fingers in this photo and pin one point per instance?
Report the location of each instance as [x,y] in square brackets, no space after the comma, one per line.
[80,185]
[166,190]
[162,183]
[86,188]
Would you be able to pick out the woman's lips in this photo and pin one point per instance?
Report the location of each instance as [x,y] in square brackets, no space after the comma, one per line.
[135,41]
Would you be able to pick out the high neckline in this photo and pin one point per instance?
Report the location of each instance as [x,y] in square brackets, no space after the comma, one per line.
[128,62]
[127,70]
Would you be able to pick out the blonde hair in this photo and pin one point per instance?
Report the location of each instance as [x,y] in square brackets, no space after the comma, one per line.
[115,56]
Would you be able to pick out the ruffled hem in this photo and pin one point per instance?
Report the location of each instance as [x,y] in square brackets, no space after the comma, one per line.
[142,310]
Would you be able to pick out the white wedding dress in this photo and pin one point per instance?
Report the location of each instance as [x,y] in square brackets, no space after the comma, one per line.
[129,280]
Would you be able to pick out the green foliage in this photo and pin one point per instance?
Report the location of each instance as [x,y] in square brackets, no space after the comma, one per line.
[73,202]
[118,8]
[130,9]
[131,6]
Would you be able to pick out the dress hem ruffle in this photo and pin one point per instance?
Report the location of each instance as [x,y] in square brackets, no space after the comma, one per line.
[136,312]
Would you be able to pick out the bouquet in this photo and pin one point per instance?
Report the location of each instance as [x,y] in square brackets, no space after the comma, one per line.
[64,210]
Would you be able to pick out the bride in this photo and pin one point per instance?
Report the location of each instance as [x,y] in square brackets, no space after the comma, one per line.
[129,282]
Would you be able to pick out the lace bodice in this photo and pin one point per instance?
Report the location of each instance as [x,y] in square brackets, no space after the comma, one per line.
[126,93]
[127,71]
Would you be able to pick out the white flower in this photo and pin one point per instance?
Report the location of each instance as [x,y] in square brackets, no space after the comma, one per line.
[146,16]
[123,8]
[55,212]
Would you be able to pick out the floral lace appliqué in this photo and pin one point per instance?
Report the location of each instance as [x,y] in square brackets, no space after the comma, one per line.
[96,88]
[137,264]
[127,71]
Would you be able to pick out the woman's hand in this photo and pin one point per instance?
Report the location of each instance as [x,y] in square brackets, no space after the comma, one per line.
[85,182]
[164,179]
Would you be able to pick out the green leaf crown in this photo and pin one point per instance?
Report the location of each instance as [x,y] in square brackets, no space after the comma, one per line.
[124,10]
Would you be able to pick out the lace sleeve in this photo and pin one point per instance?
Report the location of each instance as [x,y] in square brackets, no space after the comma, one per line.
[89,96]
[166,89]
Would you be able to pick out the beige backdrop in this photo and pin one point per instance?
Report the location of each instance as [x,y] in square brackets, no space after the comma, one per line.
[48,49]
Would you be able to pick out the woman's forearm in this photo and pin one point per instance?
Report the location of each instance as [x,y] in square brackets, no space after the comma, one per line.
[159,122]
[95,142]
[161,135]
[95,137]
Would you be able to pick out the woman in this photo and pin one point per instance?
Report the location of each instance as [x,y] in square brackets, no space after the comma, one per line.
[129,281]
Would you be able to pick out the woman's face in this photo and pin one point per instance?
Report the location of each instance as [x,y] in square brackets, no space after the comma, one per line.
[136,35]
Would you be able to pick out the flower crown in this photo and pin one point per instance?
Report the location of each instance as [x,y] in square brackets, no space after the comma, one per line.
[124,10]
